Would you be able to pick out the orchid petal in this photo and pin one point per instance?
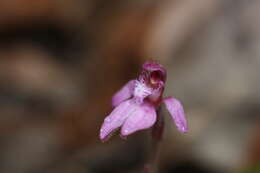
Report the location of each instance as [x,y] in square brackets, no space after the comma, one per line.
[124,93]
[116,118]
[177,113]
[143,117]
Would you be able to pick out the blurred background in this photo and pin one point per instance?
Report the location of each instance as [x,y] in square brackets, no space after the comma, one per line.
[62,60]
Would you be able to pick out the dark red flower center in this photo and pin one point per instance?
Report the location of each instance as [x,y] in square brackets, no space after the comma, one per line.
[155,78]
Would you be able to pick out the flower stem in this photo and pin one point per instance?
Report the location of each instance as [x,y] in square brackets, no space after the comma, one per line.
[157,135]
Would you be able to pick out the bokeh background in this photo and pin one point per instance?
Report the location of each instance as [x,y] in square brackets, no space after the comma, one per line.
[62,60]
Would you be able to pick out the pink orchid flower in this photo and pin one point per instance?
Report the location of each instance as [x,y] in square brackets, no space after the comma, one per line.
[135,104]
